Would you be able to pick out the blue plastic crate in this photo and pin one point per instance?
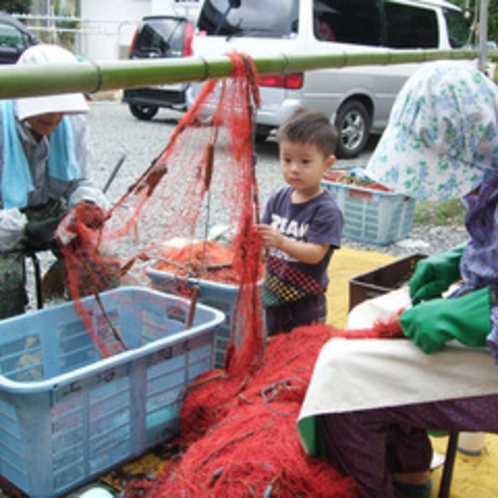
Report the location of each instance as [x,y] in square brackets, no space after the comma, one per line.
[220,296]
[371,215]
[67,415]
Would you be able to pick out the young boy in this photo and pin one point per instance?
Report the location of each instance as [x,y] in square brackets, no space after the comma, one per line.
[301,226]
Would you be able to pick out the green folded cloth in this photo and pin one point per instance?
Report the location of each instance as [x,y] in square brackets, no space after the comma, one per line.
[414,490]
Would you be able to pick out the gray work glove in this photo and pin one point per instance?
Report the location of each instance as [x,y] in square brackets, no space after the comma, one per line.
[40,234]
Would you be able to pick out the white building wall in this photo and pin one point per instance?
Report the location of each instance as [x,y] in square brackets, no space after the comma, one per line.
[109,25]
[187,8]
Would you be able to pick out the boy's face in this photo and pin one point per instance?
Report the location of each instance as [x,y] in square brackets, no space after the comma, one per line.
[303,166]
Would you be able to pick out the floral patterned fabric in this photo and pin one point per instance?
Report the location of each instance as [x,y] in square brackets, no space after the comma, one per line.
[442,143]
[479,264]
[442,136]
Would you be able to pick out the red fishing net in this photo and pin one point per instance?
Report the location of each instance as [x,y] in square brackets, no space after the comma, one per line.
[238,435]
[207,260]
[205,176]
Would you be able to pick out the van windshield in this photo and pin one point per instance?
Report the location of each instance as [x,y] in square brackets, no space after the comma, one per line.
[249,18]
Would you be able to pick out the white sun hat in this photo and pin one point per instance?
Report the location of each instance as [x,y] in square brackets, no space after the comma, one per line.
[68,103]
[442,135]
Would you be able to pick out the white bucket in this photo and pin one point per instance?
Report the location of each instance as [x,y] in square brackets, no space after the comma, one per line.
[471,443]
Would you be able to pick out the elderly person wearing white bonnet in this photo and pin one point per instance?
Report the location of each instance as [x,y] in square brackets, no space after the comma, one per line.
[370,402]
[44,171]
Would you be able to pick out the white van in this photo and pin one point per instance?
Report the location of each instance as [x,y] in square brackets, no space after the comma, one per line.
[358,99]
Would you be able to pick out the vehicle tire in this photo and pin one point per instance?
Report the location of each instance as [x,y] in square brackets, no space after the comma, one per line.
[143,112]
[261,136]
[353,126]
[261,133]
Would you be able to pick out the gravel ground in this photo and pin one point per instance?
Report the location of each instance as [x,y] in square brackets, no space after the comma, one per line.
[115,132]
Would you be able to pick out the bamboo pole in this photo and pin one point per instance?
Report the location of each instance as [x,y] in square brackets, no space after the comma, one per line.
[92,77]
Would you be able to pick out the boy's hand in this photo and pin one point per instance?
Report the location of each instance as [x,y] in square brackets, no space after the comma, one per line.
[300,250]
[270,237]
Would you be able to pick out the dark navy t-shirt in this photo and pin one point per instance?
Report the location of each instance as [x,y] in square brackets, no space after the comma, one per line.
[319,221]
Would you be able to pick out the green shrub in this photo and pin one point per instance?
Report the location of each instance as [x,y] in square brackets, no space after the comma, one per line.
[443,213]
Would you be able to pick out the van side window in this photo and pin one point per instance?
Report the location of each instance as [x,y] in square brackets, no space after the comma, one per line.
[347,21]
[411,27]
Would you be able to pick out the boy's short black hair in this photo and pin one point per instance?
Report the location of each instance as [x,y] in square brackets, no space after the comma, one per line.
[308,126]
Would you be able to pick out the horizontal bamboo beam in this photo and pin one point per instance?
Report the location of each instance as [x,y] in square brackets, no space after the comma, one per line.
[92,77]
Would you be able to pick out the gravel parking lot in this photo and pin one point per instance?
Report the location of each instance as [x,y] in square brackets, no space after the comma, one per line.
[116,133]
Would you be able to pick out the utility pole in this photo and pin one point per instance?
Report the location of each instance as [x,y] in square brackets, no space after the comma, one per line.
[483,33]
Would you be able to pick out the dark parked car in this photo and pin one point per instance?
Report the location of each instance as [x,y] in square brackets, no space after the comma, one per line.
[15,38]
[159,37]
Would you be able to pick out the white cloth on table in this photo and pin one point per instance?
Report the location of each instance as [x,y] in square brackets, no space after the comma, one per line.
[359,374]
[381,307]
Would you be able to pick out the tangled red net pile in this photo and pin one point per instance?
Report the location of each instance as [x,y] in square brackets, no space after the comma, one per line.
[347,179]
[238,429]
[238,433]
[208,260]
[205,176]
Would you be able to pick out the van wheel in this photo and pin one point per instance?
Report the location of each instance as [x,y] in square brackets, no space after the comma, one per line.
[353,124]
[143,112]
[260,137]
